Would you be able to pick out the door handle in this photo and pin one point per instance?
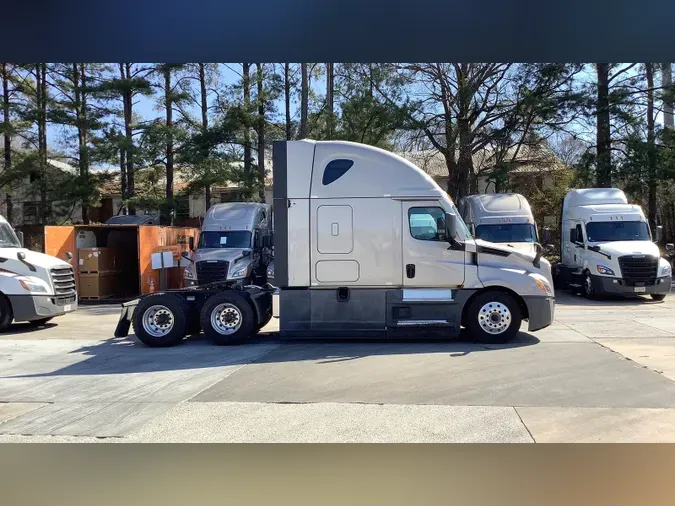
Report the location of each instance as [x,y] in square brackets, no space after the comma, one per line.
[410,270]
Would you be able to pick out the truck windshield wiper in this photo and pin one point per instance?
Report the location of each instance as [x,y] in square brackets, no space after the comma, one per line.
[597,250]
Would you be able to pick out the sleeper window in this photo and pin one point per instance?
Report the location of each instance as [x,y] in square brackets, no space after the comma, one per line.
[335,170]
[427,223]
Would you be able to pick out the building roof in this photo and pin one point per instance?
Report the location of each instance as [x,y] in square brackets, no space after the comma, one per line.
[528,159]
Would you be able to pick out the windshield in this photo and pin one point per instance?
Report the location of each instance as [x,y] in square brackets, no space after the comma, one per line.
[229,239]
[606,231]
[507,232]
[8,238]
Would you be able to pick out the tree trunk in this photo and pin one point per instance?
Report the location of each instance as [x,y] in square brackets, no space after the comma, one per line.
[287,96]
[261,132]
[123,147]
[304,100]
[205,125]
[7,138]
[129,135]
[79,85]
[651,148]
[246,73]
[603,140]
[465,161]
[329,98]
[41,106]
[168,102]
[666,82]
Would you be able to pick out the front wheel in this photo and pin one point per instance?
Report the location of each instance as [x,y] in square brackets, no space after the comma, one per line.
[161,320]
[493,318]
[589,290]
[227,318]
[657,296]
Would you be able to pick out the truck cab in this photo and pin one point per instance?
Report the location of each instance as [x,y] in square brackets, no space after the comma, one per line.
[34,287]
[607,246]
[233,245]
[504,218]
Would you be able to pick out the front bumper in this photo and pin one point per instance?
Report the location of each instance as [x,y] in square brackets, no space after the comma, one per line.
[541,311]
[618,286]
[27,308]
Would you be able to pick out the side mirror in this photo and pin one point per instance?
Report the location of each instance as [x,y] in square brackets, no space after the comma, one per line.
[246,253]
[659,233]
[549,247]
[19,235]
[69,255]
[191,243]
[450,227]
[670,246]
[186,256]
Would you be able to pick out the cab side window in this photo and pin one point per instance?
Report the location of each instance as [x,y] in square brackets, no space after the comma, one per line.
[427,223]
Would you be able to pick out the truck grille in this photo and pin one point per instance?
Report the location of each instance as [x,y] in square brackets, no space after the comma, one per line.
[64,281]
[210,271]
[639,269]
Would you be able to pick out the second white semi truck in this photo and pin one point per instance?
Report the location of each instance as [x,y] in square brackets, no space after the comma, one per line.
[607,247]
[366,244]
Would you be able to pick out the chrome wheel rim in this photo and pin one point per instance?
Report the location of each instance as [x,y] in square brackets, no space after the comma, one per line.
[588,285]
[158,320]
[494,318]
[226,319]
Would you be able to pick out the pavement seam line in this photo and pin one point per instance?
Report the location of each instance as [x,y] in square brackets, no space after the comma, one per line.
[524,424]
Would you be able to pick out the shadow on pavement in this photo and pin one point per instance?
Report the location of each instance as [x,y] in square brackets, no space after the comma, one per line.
[127,355]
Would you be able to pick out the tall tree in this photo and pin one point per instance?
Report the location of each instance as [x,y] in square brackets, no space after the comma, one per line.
[651,147]
[603,131]
[261,99]
[246,88]
[205,120]
[6,70]
[287,100]
[666,83]
[304,101]
[330,102]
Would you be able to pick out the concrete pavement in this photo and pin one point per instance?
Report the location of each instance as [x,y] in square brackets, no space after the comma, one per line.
[604,371]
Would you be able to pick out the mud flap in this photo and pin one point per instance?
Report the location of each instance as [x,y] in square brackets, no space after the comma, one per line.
[124,323]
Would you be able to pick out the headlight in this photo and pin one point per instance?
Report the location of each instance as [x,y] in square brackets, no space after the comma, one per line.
[240,272]
[666,270]
[187,273]
[32,287]
[605,270]
[544,286]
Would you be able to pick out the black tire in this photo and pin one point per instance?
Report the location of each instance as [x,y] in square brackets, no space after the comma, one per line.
[559,282]
[657,296]
[266,319]
[479,309]
[239,316]
[587,289]
[6,313]
[40,323]
[179,310]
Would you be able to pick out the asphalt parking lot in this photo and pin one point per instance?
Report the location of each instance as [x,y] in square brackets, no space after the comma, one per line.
[603,372]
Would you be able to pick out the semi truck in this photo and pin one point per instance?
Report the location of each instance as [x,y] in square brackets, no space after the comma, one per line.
[366,244]
[34,287]
[233,245]
[607,247]
[504,218]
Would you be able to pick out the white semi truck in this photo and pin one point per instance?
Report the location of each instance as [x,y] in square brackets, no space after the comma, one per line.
[504,218]
[34,287]
[607,247]
[366,244]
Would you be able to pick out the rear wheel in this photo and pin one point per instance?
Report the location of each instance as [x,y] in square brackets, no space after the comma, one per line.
[6,313]
[493,318]
[161,320]
[657,296]
[228,318]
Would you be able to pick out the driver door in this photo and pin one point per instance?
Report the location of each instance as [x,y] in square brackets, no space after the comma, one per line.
[427,261]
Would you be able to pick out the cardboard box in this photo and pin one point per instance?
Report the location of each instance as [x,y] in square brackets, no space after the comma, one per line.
[97,285]
[96,259]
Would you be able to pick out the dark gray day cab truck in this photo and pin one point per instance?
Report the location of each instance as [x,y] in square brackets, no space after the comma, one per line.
[365,244]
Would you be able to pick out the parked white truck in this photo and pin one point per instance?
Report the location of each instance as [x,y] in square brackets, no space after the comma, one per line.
[504,218]
[34,287]
[607,247]
[366,244]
